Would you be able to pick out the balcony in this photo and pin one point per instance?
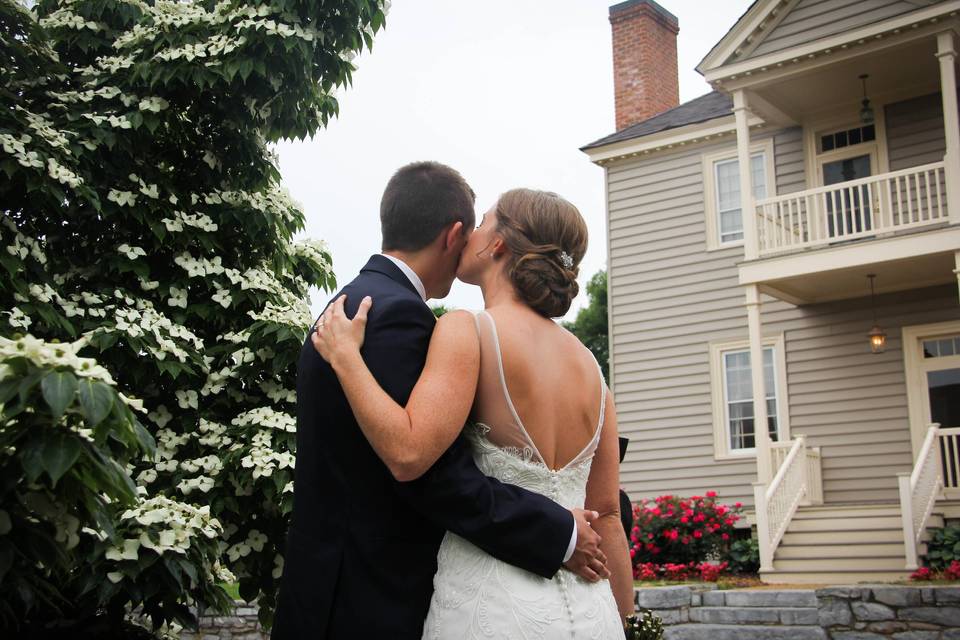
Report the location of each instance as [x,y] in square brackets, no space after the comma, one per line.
[867,208]
[819,244]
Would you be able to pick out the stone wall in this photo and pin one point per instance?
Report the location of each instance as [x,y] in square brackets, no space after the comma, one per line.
[863,612]
[242,624]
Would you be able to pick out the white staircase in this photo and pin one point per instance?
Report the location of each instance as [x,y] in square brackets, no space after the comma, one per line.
[843,544]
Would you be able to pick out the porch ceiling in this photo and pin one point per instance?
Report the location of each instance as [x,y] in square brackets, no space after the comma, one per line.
[906,68]
[900,262]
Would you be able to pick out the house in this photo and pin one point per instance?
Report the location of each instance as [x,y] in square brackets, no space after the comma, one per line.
[835,260]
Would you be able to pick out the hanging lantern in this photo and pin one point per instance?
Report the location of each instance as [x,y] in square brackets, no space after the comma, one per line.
[878,337]
[866,111]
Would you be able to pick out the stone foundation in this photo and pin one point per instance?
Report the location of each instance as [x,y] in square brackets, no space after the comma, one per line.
[863,612]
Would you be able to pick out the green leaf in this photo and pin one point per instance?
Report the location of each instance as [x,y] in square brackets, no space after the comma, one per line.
[31,459]
[58,455]
[96,398]
[5,524]
[59,389]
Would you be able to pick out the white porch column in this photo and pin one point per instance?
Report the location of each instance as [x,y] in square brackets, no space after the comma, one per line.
[760,429]
[951,121]
[748,212]
[956,261]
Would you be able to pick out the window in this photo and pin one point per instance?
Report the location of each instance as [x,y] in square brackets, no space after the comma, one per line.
[734,427]
[721,173]
[728,194]
[738,398]
[847,137]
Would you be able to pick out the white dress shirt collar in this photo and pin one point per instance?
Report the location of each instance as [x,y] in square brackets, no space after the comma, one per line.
[411,275]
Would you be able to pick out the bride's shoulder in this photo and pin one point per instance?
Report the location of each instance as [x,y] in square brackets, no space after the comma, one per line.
[457,321]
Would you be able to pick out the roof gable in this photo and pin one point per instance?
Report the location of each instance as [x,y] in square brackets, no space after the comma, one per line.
[770,26]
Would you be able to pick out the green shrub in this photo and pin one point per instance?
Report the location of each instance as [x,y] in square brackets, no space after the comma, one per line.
[744,556]
[944,547]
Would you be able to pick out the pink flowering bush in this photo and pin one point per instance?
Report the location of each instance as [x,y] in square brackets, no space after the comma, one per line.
[675,530]
[923,573]
[705,571]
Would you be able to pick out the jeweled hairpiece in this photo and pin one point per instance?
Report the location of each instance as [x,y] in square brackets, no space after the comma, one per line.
[566,260]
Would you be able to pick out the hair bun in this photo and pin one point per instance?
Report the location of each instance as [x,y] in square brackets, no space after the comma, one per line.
[547,238]
[544,284]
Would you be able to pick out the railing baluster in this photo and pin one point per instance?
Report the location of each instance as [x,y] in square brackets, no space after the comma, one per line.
[936,178]
[862,212]
[926,184]
[910,213]
[899,202]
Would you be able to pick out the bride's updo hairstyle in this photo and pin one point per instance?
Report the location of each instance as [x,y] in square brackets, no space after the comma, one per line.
[539,229]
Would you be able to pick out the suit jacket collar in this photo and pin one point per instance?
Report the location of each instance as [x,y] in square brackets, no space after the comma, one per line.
[382,264]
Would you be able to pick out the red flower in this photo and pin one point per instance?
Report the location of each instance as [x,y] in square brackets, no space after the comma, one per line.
[923,573]
[711,494]
[698,534]
[725,536]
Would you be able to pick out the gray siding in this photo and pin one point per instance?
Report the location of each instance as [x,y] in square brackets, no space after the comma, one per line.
[670,297]
[915,132]
[812,20]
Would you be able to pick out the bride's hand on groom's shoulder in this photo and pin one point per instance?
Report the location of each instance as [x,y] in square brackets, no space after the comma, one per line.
[335,335]
[587,561]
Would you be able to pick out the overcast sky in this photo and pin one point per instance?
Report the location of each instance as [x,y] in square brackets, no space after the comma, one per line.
[505,91]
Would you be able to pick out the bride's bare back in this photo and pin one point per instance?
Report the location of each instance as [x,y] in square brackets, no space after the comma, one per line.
[540,391]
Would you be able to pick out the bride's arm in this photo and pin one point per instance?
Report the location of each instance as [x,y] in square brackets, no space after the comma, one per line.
[408,439]
[603,496]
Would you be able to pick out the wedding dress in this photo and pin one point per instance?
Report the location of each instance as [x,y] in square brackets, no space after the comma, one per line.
[477,596]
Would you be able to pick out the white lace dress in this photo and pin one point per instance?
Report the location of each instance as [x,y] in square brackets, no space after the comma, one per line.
[477,596]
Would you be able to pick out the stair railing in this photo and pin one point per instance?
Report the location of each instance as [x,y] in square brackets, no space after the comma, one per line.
[919,490]
[777,503]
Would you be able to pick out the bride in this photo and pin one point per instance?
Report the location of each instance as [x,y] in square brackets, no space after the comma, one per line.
[538,414]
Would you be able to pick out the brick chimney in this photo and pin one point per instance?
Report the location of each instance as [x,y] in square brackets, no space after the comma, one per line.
[644,60]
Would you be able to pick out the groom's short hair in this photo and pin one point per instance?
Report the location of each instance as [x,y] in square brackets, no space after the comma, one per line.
[421,199]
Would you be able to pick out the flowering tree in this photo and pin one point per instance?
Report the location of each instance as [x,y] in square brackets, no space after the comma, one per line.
[147,253]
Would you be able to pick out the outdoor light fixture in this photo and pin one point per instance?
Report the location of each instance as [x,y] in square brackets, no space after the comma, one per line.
[878,337]
[866,111]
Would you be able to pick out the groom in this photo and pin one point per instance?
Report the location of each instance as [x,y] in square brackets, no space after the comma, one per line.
[362,547]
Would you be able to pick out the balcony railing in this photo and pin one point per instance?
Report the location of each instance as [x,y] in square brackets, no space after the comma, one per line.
[862,208]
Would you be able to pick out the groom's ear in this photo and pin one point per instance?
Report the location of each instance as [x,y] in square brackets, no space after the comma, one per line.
[452,236]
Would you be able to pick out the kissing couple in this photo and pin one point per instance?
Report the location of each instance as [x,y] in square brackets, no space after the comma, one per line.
[456,478]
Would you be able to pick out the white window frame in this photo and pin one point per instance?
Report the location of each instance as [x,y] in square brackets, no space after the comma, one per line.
[721,435]
[839,120]
[710,195]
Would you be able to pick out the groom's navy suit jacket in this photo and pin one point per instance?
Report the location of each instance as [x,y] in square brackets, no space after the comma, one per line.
[362,548]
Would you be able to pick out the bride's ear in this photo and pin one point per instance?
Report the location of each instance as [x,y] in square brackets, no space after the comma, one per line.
[497,246]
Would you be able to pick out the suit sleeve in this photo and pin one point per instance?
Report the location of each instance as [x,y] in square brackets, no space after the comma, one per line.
[520,527]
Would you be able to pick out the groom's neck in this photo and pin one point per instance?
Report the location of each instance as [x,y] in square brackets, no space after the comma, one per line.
[419,261]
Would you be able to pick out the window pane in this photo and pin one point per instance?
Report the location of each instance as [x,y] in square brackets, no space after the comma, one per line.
[741,425]
[942,347]
[728,186]
[826,143]
[841,138]
[855,136]
[759,177]
[738,392]
[731,223]
[869,133]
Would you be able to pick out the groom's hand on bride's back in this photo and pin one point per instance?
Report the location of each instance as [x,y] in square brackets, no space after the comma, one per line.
[587,561]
